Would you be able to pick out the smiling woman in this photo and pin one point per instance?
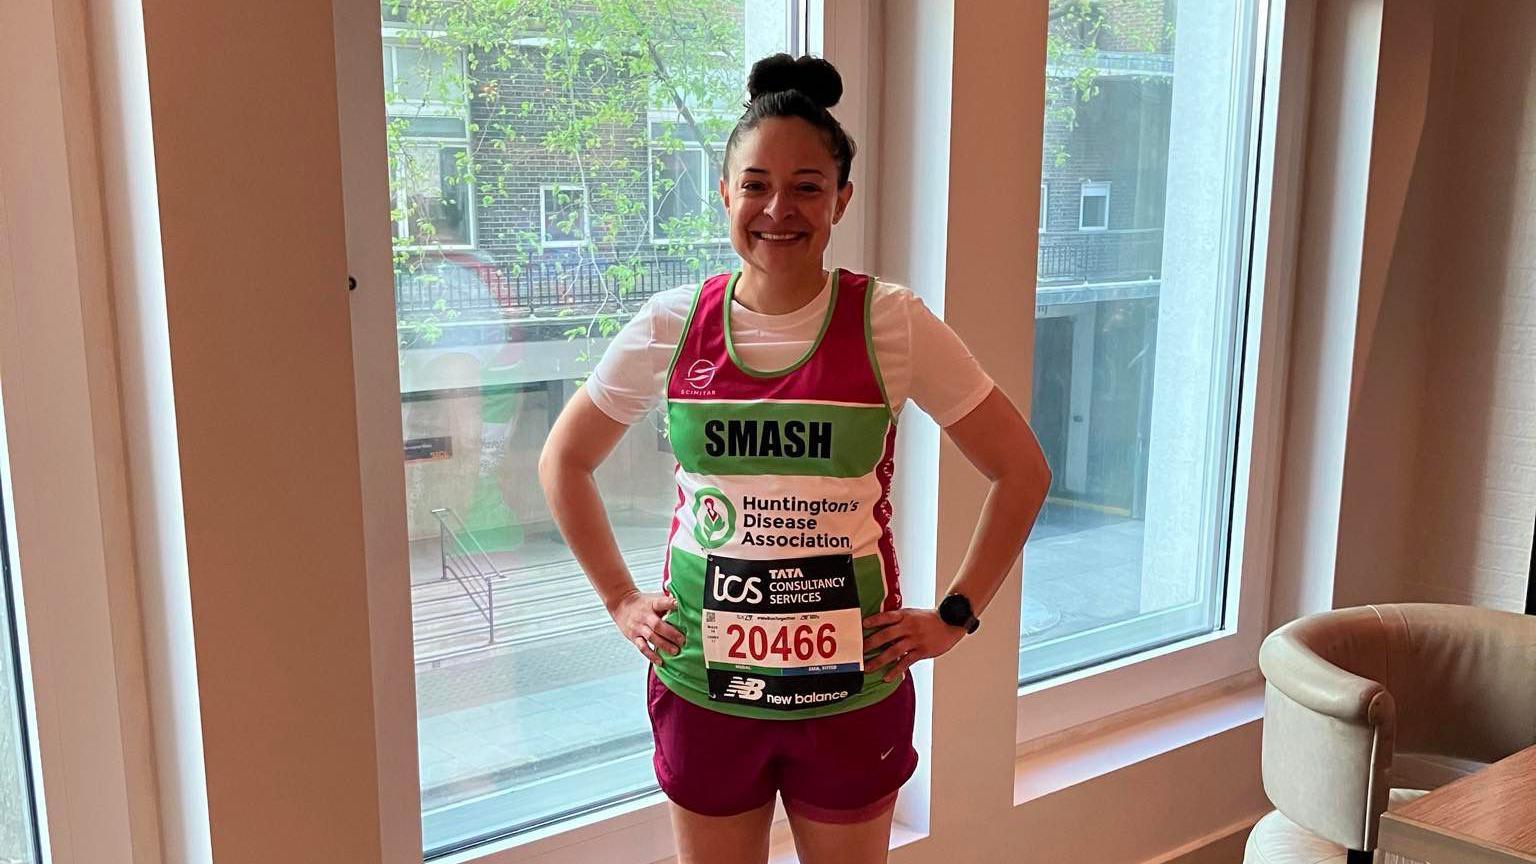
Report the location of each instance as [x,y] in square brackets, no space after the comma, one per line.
[780,651]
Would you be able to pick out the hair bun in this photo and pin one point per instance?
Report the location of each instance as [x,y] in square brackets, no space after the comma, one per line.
[813,76]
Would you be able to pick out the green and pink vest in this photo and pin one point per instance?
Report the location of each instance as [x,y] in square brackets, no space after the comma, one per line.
[781,540]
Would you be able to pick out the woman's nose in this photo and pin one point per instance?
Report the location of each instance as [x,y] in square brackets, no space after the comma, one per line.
[777,206]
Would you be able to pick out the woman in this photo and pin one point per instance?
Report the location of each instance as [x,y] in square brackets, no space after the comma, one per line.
[779,645]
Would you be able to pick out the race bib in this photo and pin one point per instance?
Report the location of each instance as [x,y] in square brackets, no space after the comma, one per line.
[785,633]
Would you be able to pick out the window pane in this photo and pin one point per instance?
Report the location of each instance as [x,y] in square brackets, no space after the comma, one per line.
[432,185]
[434,127]
[679,189]
[1136,318]
[714,207]
[421,74]
[1095,212]
[18,843]
[531,707]
[564,216]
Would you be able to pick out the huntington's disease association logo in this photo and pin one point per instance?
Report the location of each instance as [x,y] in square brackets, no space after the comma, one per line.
[714,518]
[700,375]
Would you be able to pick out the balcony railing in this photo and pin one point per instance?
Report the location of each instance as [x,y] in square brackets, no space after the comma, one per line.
[537,288]
[466,284]
[1079,257]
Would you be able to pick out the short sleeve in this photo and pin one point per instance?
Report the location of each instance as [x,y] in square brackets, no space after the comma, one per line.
[628,381]
[948,384]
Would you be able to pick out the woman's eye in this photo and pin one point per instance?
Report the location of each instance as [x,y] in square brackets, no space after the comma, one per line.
[809,188]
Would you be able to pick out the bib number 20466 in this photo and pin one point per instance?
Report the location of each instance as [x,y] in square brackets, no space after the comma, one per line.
[809,642]
[782,633]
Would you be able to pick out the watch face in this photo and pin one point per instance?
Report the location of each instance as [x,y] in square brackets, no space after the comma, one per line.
[955,610]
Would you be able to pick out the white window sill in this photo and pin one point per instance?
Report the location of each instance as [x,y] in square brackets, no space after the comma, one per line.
[1079,758]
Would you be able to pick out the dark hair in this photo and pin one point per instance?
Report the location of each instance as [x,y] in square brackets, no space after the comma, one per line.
[783,86]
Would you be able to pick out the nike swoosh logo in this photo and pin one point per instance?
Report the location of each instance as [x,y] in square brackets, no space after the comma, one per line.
[886,753]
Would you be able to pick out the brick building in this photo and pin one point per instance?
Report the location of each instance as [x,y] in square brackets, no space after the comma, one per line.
[496,209]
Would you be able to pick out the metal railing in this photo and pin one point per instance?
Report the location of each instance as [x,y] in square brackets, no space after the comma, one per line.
[537,603]
[485,290]
[1100,256]
[539,287]
[466,562]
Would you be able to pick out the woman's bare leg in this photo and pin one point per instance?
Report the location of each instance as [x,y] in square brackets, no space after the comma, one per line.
[854,843]
[739,839]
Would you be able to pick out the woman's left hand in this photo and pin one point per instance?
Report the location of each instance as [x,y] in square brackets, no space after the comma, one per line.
[907,635]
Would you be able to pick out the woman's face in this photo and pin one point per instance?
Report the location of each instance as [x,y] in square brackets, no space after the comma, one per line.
[780,192]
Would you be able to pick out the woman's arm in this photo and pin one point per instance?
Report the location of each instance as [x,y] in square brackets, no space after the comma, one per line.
[997,440]
[582,438]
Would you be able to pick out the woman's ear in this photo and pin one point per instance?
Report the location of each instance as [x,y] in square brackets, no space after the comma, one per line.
[843,196]
[725,198]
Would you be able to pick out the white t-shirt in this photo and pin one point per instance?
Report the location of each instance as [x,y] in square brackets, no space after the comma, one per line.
[947,384]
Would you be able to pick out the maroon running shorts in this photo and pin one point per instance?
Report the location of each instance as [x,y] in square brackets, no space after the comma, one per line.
[841,769]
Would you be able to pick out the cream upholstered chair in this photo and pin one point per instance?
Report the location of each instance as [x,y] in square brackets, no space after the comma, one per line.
[1366,703]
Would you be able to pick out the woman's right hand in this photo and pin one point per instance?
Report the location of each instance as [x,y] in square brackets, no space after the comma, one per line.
[638,617]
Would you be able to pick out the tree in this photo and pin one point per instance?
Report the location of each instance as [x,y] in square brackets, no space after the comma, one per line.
[1075,31]
[599,66]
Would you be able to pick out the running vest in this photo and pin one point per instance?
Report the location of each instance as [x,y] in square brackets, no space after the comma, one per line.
[781,541]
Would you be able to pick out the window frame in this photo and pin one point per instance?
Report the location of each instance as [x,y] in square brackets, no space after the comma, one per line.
[634,832]
[639,831]
[586,222]
[83,683]
[1092,189]
[652,155]
[394,37]
[402,226]
[1045,208]
[1049,710]
[626,834]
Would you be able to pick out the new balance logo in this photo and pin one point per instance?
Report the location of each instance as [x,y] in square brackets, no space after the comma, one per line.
[750,689]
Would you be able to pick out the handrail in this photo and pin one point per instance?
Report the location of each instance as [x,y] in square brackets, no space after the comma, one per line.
[465,560]
[490,571]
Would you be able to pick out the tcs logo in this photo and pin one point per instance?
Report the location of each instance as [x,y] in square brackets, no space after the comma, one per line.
[731,588]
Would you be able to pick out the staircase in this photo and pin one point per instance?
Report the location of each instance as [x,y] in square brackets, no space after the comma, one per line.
[475,608]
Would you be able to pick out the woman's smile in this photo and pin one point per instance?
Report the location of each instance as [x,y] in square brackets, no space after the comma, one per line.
[780,237]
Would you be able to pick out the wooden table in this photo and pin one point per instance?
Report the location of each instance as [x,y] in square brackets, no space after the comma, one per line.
[1485,818]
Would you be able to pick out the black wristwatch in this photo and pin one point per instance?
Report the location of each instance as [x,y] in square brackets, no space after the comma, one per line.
[956,612]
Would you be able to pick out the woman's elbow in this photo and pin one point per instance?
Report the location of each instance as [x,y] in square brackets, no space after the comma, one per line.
[551,465]
[1036,470]
[1042,468]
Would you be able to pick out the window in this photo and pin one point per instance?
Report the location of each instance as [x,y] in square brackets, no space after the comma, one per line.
[685,196]
[563,215]
[1045,209]
[432,193]
[425,82]
[419,78]
[1094,215]
[530,706]
[1135,394]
